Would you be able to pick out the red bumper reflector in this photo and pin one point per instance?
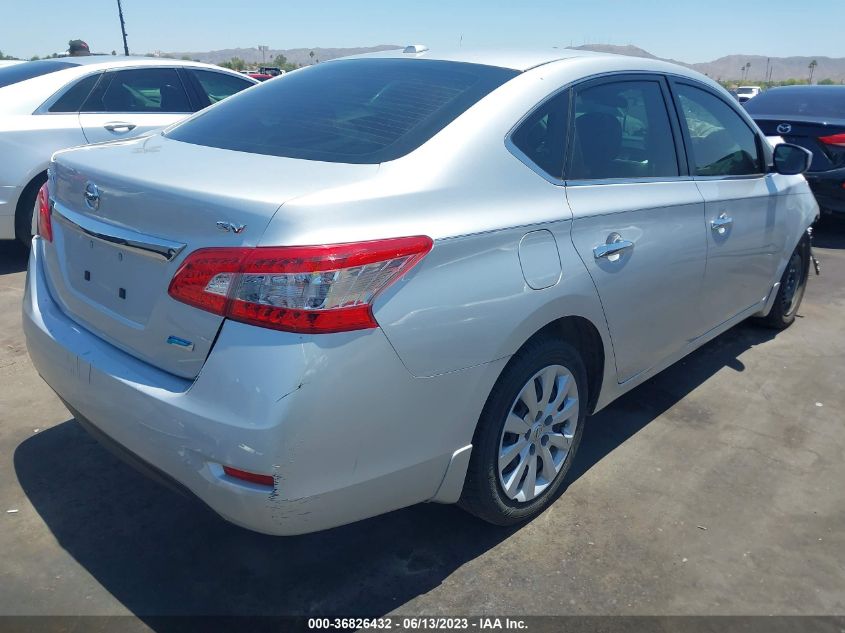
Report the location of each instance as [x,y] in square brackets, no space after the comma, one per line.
[44,222]
[253,478]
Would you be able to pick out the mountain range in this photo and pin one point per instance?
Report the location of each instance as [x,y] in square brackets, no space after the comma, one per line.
[725,68]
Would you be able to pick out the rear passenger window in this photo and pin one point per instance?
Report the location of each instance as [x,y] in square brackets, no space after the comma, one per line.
[722,143]
[541,136]
[75,96]
[139,90]
[622,130]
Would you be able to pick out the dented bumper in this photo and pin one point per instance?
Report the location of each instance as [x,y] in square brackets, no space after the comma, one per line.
[346,431]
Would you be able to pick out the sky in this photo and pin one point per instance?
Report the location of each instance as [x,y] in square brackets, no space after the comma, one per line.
[686,30]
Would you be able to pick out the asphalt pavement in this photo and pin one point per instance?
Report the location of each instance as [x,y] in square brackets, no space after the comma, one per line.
[718,487]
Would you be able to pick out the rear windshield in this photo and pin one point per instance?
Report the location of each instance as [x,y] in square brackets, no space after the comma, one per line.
[811,101]
[351,111]
[28,70]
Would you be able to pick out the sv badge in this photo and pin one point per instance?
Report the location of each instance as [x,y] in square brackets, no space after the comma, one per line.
[230,227]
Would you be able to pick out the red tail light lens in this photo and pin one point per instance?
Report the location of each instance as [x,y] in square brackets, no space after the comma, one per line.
[253,478]
[309,289]
[44,222]
[833,139]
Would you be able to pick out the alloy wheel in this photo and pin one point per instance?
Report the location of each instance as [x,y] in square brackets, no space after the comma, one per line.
[538,433]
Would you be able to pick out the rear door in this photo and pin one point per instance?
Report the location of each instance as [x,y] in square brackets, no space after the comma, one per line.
[743,214]
[638,217]
[133,101]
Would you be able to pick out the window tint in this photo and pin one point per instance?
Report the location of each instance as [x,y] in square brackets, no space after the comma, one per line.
[820,101]
[622,130]
[74,97]
[218,86]
[28,70]
[722,143]
[541,136]
[139,90]
[353,111]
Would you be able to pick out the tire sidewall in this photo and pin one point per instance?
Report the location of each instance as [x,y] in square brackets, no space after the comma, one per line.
[778,316]
[484,462]
[26,210]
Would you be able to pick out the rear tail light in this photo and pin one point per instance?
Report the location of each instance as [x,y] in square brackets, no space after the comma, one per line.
[834,139]
[44,222]
[253,478]
[309,289]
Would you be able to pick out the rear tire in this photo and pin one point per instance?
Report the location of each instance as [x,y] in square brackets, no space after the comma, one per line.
[793,283]
[25,210]
[515,472]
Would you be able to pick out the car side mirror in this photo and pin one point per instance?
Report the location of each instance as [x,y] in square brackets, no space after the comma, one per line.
[791,160]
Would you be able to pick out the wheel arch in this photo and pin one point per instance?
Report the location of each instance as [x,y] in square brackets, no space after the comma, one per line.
[34,183]
[585,337]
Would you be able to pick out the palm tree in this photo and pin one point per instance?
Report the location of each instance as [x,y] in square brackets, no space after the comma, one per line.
[812,68]
[311,55]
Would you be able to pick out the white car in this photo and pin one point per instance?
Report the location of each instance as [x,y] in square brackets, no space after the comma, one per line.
[52,104]
[744,93]
[10,62]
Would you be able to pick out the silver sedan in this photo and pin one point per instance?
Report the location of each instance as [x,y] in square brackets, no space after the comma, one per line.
[441,265]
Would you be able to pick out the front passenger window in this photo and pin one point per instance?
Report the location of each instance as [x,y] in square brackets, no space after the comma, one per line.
[722,143]
[153,90]
[218,86]
[622,130]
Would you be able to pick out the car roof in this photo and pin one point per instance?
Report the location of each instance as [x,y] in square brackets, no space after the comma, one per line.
[124,60]
[520,59]
[525,59]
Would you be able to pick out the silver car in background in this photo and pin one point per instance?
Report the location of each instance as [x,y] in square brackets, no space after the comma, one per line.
[451,261]
[52,104]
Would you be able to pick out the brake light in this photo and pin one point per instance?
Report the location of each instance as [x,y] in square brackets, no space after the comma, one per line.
[308,289]
[253,478]
[44,222]
[834,139]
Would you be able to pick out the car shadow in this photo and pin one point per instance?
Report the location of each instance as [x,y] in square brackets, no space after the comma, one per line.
[161,554]
[13,257]
[829,232]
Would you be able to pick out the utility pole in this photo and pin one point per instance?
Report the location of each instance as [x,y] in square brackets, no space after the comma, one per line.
[122,28]
[263,50]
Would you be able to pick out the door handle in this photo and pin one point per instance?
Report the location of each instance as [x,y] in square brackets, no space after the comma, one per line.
[612,248]
[721,223]
[119,126]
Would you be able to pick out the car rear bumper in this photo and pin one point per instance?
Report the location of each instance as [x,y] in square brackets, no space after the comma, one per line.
[339,422]
[827,187]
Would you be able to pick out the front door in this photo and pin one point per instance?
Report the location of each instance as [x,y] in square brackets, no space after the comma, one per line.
[132,102]
[743,219]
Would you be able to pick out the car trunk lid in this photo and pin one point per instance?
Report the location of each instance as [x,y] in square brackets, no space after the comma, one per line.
[126,215]
[806,132]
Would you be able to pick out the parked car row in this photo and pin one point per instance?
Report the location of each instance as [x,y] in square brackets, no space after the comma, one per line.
[53,104]
[264,73]
[457,259]
[746,93]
